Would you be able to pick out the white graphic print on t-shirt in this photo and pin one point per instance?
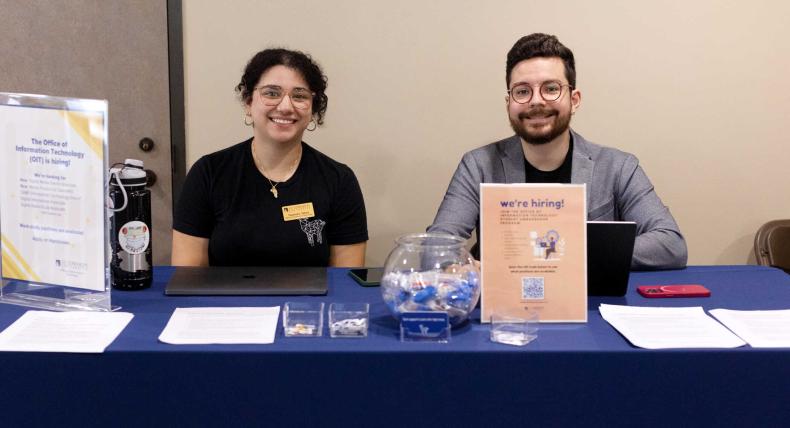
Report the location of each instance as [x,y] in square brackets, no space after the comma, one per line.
[312,229]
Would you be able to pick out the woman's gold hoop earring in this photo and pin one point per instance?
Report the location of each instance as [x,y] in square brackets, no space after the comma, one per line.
[314,123]
[251,122]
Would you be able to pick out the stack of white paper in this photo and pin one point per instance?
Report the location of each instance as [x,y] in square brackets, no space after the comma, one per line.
[664,328]
[761,329]
[42,331]
[191,326]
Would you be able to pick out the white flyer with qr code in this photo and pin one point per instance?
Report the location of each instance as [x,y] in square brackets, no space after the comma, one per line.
[533,251]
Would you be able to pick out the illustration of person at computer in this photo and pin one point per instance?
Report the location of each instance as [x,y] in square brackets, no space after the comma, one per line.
[551,247]
[546,245]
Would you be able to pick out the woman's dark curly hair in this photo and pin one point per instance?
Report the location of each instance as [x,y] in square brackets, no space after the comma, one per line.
[296,60]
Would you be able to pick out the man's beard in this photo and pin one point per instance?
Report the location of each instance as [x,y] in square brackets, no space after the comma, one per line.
[560,125]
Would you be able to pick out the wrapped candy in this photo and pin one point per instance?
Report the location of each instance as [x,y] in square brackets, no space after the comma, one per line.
[454,293]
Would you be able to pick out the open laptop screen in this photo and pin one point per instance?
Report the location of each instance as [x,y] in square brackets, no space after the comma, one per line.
[610,246]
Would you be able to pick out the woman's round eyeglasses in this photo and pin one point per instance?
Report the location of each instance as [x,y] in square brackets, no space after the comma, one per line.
[273,95]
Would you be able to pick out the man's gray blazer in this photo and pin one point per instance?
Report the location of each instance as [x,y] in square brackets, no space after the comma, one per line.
[617,190]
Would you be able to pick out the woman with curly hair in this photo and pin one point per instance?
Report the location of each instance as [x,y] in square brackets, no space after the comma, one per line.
[272,199]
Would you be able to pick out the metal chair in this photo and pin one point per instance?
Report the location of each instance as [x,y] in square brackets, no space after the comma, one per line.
[772,244]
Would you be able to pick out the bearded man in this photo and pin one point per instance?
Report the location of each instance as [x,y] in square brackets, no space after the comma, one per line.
[541,98]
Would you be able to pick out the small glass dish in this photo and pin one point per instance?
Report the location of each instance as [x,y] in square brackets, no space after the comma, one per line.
[348,319]
[303,319]
[516,330]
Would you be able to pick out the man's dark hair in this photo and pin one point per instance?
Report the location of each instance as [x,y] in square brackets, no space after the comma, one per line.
[541,45]
[296,60]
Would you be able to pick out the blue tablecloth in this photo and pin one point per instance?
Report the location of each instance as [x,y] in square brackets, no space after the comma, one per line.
[573,374]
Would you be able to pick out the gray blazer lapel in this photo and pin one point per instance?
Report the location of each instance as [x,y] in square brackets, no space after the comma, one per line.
[513,160]
[582,165]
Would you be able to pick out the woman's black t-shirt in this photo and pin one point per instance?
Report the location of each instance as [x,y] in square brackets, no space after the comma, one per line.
[227,200]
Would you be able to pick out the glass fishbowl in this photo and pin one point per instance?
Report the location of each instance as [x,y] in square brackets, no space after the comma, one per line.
[431,272]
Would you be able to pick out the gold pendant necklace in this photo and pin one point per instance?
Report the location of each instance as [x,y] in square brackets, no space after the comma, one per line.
[259,165]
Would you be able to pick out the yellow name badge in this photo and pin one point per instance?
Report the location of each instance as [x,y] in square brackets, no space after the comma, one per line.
[295,212]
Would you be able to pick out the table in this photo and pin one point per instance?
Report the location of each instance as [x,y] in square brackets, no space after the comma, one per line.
[573,374]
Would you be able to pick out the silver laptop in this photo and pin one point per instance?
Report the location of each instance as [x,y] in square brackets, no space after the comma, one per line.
[247,280]
[610,246]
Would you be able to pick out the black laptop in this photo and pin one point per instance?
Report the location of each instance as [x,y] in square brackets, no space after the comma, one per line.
[610,246]
[243,280]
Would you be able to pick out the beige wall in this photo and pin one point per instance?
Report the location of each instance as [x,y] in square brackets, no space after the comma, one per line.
[698,90]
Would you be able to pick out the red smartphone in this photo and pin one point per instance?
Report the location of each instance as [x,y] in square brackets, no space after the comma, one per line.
[675,290]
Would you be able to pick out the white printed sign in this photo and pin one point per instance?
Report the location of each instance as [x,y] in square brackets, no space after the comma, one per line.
[52,193]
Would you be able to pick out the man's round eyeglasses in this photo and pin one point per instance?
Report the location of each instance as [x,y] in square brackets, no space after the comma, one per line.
[272,95]
[549,91]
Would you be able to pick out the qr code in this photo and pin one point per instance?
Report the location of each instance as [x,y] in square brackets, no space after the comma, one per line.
[532,288]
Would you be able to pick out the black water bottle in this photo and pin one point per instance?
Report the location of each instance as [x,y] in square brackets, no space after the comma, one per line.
[130,227]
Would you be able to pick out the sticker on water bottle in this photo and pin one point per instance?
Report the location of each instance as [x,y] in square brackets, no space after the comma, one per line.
[134,237]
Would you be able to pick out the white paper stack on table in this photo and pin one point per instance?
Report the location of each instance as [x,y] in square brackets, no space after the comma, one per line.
[194,326]
[44,331]
[761,329]
[667,328]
